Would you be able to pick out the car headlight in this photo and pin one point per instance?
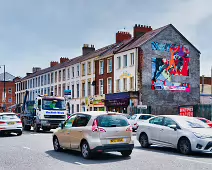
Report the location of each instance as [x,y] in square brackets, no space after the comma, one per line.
[198,135]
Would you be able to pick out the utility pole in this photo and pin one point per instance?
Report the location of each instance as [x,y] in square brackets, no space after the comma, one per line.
[4,95]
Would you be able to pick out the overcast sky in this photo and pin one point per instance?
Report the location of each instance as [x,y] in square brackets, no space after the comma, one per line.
[35,32]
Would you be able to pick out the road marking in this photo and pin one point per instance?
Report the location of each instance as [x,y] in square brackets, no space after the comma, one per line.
[192,160]
[26,148]
[80,163]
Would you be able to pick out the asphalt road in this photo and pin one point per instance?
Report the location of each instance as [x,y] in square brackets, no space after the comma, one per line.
[33,151]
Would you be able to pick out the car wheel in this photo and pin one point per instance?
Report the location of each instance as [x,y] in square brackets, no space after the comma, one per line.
[19,133]
[85,150]
[184,146]
[144,141]
[56,144]
[126,153]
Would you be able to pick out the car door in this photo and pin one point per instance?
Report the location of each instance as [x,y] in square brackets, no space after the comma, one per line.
[169,136]
[78,130]
[64,135]
[154,129]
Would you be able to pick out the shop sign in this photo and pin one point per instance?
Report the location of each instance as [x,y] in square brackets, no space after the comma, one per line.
[98,101]
[117,102]
[186,111]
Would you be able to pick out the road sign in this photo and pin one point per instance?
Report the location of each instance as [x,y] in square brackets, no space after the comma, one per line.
[142,106]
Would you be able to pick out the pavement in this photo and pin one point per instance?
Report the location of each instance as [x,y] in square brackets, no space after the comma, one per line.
[34,151]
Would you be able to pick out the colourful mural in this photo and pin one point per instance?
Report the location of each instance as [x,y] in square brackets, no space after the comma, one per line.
[162,77]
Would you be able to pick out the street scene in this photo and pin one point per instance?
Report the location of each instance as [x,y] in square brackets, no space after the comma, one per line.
[84,85]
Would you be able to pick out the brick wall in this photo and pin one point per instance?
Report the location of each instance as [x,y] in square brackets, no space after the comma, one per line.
[207,80]
[105,75]
[9,85]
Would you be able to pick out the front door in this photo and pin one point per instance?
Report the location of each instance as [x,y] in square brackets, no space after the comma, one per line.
[78,130]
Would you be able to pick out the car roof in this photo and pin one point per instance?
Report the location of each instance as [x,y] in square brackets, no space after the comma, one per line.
[98,113]
[145,114]
[7,113]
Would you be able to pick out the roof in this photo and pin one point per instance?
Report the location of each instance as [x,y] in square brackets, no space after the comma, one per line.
[148,36]
[8,77]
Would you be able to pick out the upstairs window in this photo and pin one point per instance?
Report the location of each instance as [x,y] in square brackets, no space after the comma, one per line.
[118,62]
[125,61]
[101,71]
[109,65]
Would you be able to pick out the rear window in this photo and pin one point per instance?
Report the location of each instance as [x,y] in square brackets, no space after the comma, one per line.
[112,121]
[8,117]
[145,117]
[133,117]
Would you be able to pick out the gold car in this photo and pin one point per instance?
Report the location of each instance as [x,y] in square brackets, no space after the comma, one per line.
[95,132]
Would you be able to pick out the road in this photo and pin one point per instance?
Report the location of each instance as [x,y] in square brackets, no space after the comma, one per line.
[33,151]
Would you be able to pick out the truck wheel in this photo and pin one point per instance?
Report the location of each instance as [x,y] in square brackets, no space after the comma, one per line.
[19,133]
[36,128]
[46,129]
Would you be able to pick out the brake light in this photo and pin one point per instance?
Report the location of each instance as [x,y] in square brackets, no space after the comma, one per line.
[129,129]
[2,123]
[95,127]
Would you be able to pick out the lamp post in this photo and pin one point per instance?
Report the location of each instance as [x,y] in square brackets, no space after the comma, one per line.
[4,86]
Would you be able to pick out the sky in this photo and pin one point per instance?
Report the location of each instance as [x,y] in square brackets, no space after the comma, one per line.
[35,32]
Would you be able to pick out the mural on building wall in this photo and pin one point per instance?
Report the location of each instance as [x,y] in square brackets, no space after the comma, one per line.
[163,69]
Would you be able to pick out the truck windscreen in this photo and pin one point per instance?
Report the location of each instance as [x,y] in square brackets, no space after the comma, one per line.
[48,104]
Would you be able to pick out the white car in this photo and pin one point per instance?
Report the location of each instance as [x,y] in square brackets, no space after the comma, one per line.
[136,119]
[184,133]
[10,123]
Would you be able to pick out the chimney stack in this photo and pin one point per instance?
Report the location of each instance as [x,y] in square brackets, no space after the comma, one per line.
[53,63]
[35,69]
[121,36]
[28,74]
[140,30]
[63,59]
[86,49]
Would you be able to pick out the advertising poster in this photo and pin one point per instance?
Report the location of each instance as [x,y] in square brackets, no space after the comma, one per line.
[186,111]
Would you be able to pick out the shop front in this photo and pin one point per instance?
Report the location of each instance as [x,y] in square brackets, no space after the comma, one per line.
[96,103]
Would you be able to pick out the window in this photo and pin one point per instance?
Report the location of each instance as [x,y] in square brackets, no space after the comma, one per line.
[68,73]
[55,75]
[72,71]
[38,81]
[83,89]
[72,109]
[109,65]
[89,67]
[125,84]
[48,78]
[33,83]
[168,122]
[10,91]
[145,117]
[89,88]
[118,62]
[132,60]
[45,79]
[101,85]
[81,120]
[49,104]
[72,91]
[118,85]
[70,121]
[131,83]
[111,121]
[78,108]
[83,69]
[101,71]
[109,88]
[64,74]
[60,75]
[55,90]
[125,61]
[78,91]
[52,77]
[157,121]
[78,70]
[41,82]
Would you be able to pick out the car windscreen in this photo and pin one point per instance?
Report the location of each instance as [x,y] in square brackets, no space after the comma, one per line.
[133,117]
[112,121]
[192,122]
[49,104]
[145,117]
[8,117]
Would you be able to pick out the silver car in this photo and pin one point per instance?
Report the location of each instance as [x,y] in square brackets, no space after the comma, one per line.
[95,132]
[184,133]
[10,123]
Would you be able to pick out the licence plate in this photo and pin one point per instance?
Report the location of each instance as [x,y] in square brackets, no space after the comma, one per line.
[11,123]
[116,140]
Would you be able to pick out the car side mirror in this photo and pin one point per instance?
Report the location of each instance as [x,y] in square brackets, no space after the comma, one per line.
[173,127]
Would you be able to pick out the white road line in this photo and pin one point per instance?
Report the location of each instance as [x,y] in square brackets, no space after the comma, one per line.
[26,148]
[192,160]
[80,163]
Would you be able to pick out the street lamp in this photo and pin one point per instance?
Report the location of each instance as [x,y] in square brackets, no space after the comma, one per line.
[4,86]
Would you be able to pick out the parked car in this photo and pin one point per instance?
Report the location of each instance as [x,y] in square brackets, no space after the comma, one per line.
[205,121]
[95,132]
[10,123]
[134,119]
[184,133]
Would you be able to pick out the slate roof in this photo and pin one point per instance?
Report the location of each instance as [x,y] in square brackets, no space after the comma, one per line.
[8,77]
[108,50]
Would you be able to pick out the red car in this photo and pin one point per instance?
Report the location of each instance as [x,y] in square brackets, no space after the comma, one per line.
[205,121]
